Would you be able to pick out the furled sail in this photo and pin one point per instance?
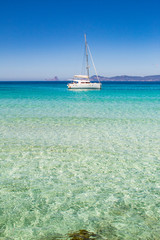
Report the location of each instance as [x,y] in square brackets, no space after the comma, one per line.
[81,76]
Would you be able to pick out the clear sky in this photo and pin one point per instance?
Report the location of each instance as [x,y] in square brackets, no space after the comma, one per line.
[40,39]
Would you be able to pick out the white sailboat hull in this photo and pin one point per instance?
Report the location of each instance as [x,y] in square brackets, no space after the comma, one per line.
[84,85]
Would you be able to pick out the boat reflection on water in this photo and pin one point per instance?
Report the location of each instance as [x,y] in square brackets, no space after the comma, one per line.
[84,89]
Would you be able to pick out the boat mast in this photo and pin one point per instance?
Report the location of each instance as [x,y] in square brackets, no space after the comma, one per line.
[87,66]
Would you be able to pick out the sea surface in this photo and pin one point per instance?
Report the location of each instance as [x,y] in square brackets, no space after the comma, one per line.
[73,160]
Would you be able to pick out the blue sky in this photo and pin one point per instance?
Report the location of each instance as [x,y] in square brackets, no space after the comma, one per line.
[40,39]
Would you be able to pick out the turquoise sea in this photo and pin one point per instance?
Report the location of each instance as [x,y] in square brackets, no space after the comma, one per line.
[73,160]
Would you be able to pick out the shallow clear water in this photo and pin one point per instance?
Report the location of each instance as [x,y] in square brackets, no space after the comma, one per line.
[74,160]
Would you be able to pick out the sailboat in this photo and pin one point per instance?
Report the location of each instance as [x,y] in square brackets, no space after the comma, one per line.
[83,81]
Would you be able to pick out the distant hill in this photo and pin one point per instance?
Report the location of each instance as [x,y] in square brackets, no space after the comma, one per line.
[125,78]
[52,79]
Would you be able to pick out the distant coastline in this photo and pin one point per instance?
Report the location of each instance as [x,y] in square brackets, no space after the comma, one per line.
[122,78]
[125,78]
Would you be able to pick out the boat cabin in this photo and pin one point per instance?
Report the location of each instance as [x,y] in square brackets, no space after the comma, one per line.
[81,79]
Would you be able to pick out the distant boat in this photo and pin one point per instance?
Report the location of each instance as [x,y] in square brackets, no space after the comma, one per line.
[83,81]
